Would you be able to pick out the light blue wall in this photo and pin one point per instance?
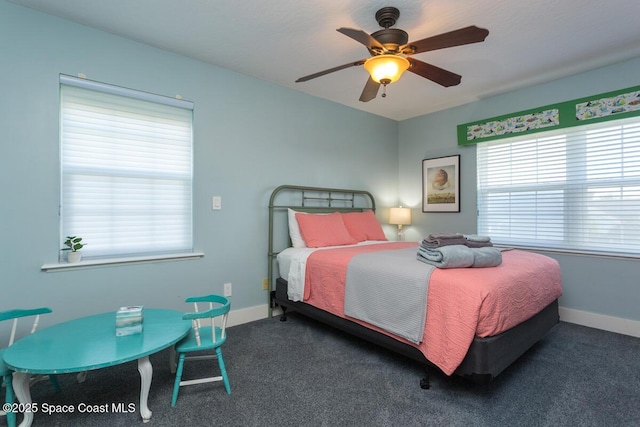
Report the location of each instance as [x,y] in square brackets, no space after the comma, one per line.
[250,137]
[598,285]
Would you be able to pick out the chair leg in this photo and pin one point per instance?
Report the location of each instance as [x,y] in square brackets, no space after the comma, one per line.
[176,384]
[54,381]
[223,370]
[52,378]
[9,398]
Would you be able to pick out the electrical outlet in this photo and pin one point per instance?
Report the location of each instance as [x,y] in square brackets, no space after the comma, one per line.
[227,289]
[265,284]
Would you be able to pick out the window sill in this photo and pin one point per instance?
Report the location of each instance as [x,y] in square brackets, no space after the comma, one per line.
[610,255]
[52,268]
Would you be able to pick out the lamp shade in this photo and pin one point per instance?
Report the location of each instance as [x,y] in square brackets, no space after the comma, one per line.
[386,69]
[400,216]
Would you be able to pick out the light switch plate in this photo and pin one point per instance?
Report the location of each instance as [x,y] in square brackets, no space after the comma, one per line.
[217,203]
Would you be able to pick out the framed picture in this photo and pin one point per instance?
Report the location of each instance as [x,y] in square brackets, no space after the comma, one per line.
[441,184]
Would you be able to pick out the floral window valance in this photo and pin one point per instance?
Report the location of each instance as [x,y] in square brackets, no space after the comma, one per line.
[602,107]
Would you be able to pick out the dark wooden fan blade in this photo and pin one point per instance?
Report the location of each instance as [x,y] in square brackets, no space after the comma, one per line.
[433,73]
[370,90]
[459,37]
[330,70]
[362,37]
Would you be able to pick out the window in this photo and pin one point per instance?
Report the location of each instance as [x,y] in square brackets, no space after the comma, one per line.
[126,170]
[575,189]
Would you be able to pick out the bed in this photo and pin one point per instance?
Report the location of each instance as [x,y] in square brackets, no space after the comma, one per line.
[485,349]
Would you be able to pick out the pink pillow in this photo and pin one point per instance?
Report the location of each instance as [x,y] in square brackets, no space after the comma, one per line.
[324,230]
[363,226]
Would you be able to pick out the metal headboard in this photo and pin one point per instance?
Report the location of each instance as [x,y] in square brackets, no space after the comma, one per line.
[307,199]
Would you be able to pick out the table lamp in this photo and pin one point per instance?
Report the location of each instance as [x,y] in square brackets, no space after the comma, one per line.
[400,216]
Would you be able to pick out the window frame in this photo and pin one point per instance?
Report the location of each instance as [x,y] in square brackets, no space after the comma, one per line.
[140,256]
[572,228]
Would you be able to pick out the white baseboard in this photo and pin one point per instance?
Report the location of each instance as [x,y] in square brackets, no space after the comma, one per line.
[250,314]
[579,317]
[600,321]
[246,315]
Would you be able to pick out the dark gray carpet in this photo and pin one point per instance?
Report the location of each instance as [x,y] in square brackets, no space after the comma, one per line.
[301,373]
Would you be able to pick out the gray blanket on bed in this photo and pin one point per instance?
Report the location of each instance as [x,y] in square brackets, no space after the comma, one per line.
[388,289]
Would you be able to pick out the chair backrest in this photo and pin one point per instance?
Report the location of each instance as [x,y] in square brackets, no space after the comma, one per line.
[216,313]
[17,314]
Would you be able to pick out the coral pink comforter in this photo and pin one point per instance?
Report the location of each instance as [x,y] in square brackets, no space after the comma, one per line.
[462,303]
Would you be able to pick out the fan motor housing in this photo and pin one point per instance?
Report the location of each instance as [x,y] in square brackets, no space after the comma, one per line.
[391,38]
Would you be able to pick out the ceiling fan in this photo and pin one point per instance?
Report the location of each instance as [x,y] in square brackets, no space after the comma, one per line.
[391,54]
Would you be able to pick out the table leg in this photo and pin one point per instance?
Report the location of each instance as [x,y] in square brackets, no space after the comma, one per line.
[81,377]
[172,359]
[9,396]
[146,372]
[21,382]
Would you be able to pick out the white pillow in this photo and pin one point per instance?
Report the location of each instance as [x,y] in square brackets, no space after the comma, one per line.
[294,231]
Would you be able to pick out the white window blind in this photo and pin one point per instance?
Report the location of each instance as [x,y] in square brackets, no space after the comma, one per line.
[577,189]
[126,170]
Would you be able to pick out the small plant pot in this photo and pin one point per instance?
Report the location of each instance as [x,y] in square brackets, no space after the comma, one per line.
[74,257]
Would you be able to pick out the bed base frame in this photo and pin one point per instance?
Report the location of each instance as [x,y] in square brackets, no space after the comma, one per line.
[486,358]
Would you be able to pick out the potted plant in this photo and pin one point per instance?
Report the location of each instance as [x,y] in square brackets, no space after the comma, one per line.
[74,244]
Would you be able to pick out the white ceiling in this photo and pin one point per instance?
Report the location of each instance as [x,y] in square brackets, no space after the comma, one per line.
[279,41]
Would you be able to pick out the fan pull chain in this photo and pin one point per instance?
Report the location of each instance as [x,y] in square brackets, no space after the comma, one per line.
[384,91]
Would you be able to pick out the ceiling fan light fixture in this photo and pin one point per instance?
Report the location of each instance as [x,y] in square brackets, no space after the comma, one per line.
[386,69]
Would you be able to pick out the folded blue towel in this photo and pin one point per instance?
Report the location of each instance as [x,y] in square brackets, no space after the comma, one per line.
[486,257]
[460,256]
[450,256]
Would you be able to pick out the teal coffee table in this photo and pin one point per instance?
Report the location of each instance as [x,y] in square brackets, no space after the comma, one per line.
[90,343]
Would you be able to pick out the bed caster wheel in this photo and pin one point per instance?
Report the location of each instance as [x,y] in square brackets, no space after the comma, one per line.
[424,384]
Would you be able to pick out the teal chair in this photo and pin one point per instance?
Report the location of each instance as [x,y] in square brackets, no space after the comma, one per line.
[5,372]
[208,332]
